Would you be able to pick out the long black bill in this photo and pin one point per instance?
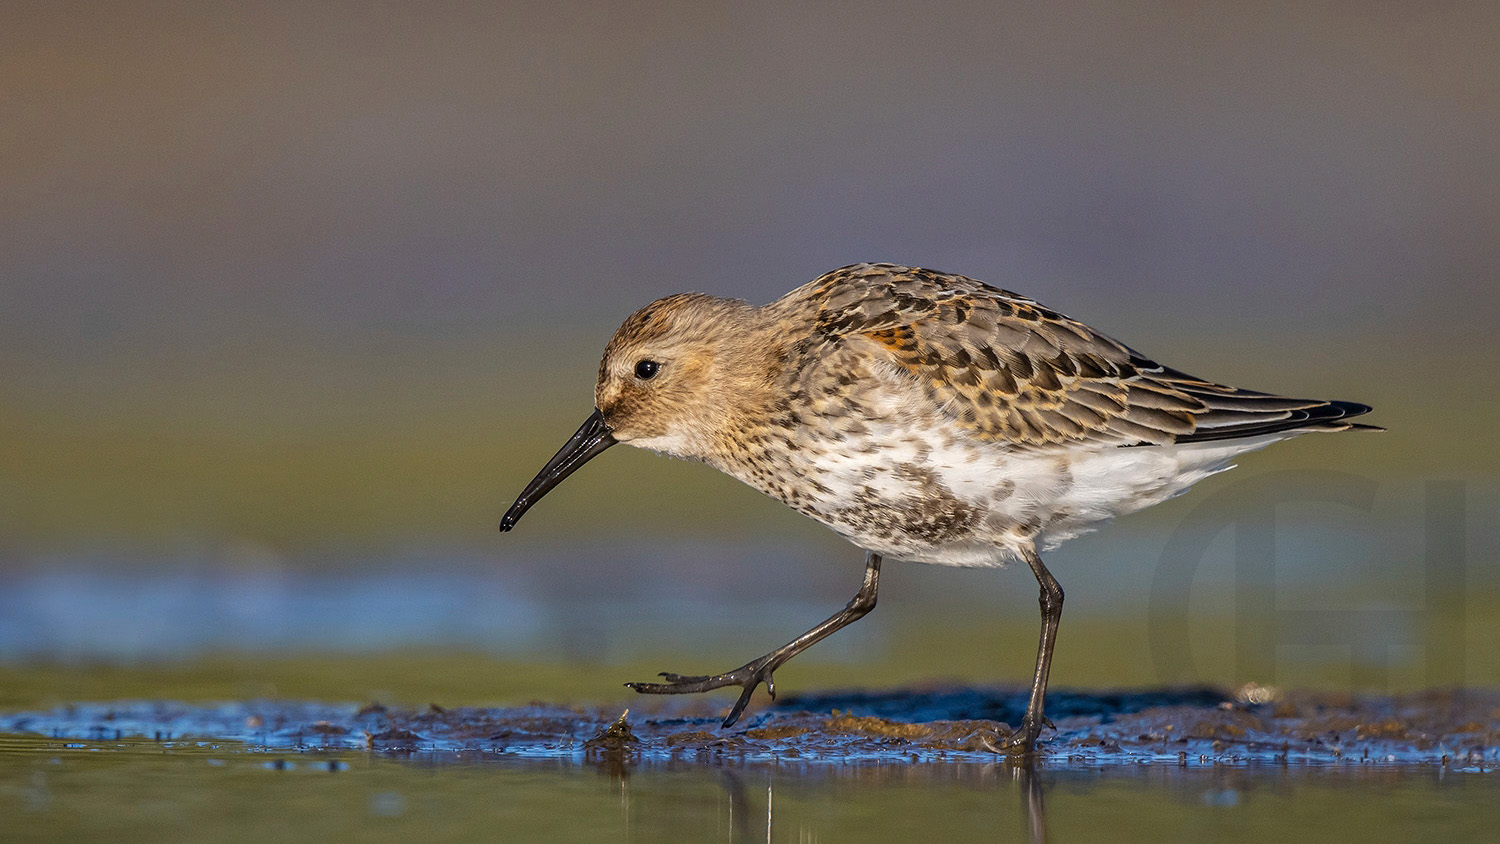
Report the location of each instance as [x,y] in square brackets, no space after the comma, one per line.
[591,439]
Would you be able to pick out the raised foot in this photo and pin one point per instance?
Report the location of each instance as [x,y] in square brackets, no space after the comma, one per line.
[748,676]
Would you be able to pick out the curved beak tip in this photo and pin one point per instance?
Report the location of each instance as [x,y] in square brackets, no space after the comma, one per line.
[593,437]
[512,516]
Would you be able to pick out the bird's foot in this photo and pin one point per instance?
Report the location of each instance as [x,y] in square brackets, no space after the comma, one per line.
[1023,740]
[748,676]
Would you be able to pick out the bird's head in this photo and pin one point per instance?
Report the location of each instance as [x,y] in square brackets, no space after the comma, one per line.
[668,381]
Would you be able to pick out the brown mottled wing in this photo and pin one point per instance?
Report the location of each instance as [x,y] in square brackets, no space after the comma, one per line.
[1007,368]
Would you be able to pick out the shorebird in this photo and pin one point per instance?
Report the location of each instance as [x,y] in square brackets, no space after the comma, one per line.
[923,416]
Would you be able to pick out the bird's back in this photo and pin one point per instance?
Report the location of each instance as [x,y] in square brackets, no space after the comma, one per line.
[1008,369]
[932,417]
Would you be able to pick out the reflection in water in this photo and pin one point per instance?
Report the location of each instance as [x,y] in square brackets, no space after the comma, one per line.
[739,806]
[1030,782]
[143,790]
[746,822]
[791,776]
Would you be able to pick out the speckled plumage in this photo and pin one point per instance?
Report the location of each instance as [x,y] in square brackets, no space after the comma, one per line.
[929,416]
[923,416]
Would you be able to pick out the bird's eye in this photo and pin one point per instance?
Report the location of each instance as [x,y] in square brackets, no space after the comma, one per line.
[646,369]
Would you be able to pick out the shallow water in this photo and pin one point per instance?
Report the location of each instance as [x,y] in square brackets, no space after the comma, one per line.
[201,790]
[1187,764]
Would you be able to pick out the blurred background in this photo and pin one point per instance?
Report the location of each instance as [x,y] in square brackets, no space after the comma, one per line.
[295,298]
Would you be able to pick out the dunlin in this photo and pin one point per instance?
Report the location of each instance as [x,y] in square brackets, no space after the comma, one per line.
[923,416]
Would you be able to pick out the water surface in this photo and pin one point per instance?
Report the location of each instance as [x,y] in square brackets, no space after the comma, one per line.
[1188,764]
[137,789]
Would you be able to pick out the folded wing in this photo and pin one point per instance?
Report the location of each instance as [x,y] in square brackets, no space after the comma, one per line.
[1006,368]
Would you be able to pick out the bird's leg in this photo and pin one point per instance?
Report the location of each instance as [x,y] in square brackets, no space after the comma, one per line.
[758,671]
[1024,739]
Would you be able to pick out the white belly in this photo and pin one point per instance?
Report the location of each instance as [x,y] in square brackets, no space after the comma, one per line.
[934,497]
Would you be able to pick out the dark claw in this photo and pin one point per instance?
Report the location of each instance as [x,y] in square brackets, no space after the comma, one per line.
[739,706]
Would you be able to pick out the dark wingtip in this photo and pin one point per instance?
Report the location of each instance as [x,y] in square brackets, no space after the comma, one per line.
[1350,408]
[1318,416]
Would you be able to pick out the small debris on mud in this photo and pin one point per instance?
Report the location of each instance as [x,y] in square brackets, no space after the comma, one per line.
[1184,727]
[615,738]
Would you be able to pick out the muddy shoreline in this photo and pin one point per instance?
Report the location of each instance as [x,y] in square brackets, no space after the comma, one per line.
[1198,726]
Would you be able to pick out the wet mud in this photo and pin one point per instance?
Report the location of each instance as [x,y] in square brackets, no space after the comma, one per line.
[1193,727]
